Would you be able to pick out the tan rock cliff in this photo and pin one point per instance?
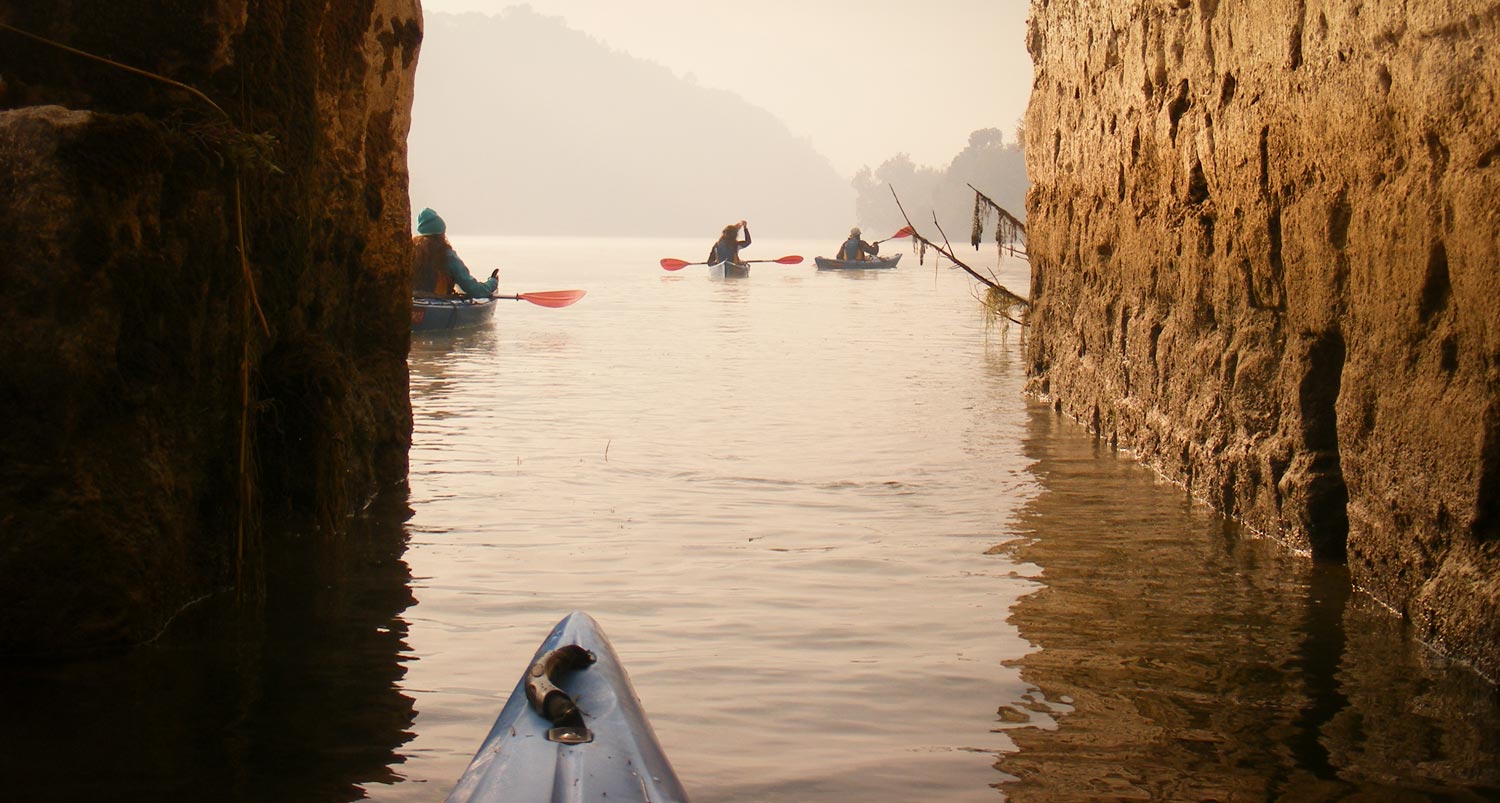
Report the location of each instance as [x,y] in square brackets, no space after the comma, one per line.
[1266,251]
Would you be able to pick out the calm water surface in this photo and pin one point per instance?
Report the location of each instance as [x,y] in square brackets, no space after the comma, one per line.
[776,494]
[840,554]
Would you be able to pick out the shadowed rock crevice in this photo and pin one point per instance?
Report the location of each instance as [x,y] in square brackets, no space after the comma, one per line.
[1177,108]
[1327,496]
[1294,41]
[1437,286]
[1338,221]
[1486,527]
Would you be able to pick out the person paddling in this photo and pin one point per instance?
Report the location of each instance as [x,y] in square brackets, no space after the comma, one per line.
[436,267]
[855,249]
[727,248]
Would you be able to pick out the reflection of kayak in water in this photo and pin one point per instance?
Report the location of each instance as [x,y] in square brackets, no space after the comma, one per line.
[729,270]
[572,729]
[439,314]
[877,263]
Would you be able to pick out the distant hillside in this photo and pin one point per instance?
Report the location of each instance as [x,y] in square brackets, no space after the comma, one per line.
[522,125]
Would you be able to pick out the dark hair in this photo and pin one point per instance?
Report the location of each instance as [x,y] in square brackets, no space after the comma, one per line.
[429,273]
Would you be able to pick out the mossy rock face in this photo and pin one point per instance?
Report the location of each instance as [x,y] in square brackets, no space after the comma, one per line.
[133,355]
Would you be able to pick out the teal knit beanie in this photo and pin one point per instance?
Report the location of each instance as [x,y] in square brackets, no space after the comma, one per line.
[428,222]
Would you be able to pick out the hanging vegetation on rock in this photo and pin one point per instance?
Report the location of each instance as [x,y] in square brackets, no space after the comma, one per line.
[1010,232]
[998,300]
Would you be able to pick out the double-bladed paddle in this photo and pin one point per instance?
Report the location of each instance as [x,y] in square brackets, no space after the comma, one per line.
[549,298]
[678,264]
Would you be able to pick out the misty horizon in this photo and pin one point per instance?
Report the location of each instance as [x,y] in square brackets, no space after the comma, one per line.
[525,125]
[862,80]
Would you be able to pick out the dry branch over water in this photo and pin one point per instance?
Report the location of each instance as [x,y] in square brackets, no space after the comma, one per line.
[998,299]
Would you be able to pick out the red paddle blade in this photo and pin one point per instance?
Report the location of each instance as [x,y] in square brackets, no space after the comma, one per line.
[674,264]
[553,298]
[789,261]
[904,231]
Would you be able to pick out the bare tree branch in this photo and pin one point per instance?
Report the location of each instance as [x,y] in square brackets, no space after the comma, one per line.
[947,253]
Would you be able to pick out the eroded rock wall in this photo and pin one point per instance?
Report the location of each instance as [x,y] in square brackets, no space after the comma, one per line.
[153,420]
[1266,250]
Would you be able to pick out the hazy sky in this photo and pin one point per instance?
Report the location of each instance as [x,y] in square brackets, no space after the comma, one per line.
[863,80]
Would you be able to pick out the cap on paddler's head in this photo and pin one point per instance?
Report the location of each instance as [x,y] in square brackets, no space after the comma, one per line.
[428,222]
[854,232]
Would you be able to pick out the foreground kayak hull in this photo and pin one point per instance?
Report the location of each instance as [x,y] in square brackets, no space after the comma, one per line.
[623,762]
[729,270]
[443,314]
[880,263]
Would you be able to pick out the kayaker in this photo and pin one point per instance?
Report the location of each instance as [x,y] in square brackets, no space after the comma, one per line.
[855,249]
[727,249]
[436,267]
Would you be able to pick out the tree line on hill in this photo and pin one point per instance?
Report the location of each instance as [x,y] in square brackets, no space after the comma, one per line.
[989,164]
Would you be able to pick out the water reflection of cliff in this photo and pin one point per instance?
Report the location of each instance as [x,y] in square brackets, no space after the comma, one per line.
[1197,663]
[298,701]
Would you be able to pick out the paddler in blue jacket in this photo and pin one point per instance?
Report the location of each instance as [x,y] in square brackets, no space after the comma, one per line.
[854,249]
[727,248]
[436,266]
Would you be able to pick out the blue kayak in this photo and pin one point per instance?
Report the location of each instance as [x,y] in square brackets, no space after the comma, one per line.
[874,263]
[572,730]
[441,314]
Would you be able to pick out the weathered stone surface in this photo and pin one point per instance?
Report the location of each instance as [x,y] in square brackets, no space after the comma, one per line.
[1266,242]
[128,316]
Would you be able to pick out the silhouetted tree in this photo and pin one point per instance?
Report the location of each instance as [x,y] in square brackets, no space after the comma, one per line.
[987,163]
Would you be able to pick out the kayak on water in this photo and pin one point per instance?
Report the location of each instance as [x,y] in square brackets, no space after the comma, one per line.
[442,314]
[729,270]
[573,729]
[877,263]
